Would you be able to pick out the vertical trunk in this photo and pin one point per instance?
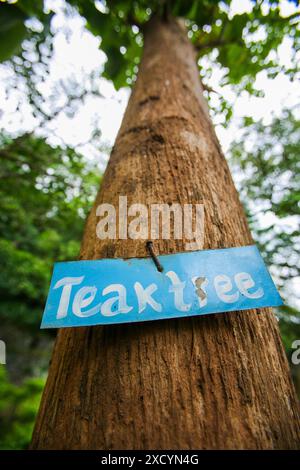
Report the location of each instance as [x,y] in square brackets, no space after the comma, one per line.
[204,382]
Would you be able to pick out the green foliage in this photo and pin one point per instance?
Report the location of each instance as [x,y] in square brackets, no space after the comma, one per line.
[18,407]
[266,159]
[40,222]
[289,322]
[246,43]
[121,39]
[46,191]
[210,26]
[12,31]
[45,194]
[13,28]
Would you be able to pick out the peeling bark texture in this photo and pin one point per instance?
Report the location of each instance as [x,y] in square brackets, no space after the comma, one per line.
[212,382]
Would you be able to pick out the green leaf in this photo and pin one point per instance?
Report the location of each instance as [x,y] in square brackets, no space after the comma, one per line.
[12,30]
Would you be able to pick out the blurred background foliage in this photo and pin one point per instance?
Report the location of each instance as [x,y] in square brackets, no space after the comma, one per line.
[47,186]
[45,195]
[266,163]
[18,405]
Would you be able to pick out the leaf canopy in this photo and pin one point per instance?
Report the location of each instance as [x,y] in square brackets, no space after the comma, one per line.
[266,157]
[246,43]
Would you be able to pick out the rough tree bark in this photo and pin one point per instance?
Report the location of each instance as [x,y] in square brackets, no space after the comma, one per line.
[214,382]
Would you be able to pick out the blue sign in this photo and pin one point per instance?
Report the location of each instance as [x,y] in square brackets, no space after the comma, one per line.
[110,291]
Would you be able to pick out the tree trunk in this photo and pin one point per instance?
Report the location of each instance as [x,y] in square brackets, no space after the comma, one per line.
[212,382]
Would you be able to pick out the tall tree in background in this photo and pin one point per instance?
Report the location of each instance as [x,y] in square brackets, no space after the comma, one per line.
[212,382]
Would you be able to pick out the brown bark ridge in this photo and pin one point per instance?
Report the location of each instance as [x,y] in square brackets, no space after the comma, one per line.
[213,382]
